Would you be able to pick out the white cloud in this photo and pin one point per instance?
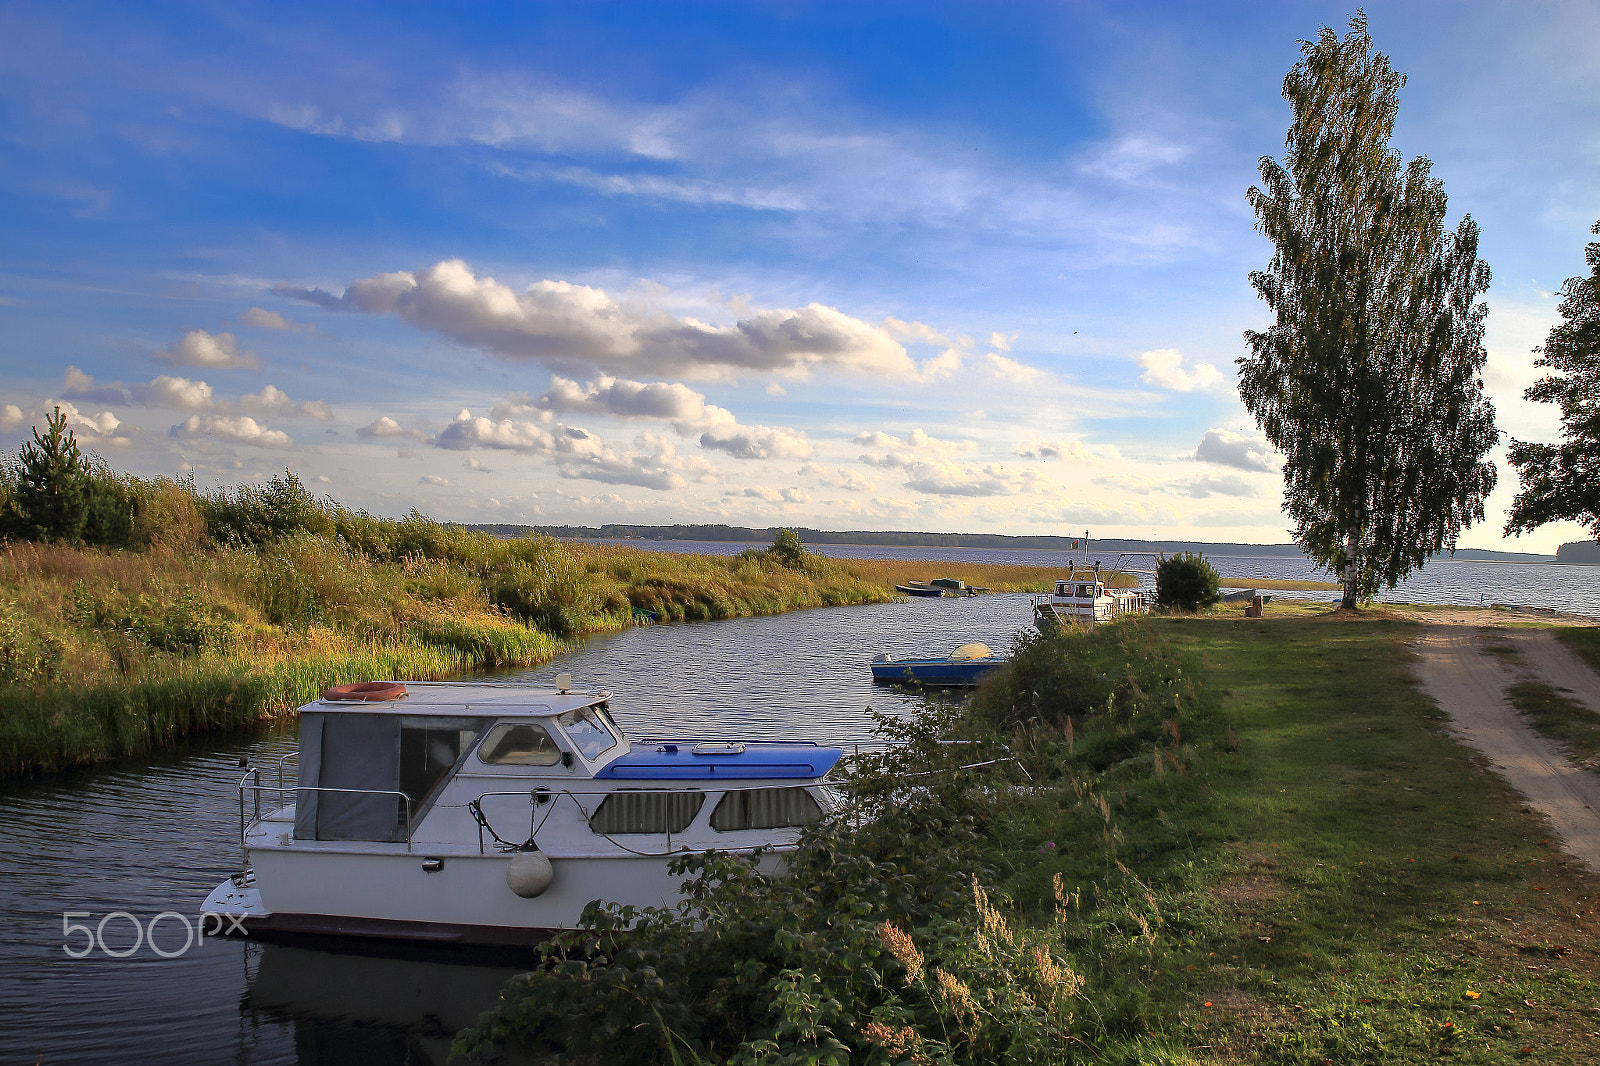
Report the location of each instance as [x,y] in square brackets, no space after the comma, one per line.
[1216,485]
[385,427]
[1070,451]
[686,409]
[1007,369]
[1164,368]
[837,477]
[468,431]
[944,477]
[1226,448]
[943,365]
[167,391]
[577,328]
[916,332]
[473,463]
[901,453]
[657,466]
[273,400]
[241,430]
[199,348]
[10,417]
[261,318]
[758,442]
[434,479]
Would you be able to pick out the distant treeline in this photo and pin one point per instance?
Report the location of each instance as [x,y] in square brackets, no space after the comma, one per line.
[1097,547]
[1583,551]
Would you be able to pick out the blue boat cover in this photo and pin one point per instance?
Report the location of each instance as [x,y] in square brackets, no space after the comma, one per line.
[678,762]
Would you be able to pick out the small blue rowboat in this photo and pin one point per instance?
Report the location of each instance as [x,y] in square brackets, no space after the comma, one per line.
[964,666]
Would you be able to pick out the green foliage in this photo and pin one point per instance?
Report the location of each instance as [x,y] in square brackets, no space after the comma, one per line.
[1370,379]
[882,941]
[1186,582]
[54,488]
[180,622]
[29,655]
[257,515]
[1562,481]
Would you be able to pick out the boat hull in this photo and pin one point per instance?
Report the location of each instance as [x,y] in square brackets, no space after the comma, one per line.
[919,590]
[934,671]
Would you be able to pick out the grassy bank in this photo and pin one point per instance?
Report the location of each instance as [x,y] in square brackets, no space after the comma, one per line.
[1239,841]
[110,652]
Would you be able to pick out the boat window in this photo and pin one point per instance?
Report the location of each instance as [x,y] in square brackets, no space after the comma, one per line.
[765,808]
[429,749]
[646,812]
[588,732]
[1083,590]
[519,744]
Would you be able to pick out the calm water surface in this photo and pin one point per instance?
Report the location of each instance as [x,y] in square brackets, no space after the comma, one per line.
[1442,581]
[156,835]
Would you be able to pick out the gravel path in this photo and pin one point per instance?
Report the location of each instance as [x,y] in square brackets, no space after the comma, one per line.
[1470,686]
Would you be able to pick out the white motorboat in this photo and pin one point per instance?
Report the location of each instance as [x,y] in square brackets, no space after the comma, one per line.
[1084,600]
[494,814]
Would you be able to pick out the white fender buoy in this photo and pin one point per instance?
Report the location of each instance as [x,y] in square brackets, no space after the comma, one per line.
[529,872]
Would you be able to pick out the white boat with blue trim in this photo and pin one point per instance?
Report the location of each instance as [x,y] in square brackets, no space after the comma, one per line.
[494,814]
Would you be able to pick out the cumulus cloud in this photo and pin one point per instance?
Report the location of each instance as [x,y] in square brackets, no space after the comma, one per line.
[385,427]
[656,466]
[1237,450]
[770,495]
[837,477]
[944,477]
[1008,369]
[273,400]
[680,405]
[943,365]
[1216,485]
[186,395]
[199,348]
[241,430]
[576,328]
[469,431]
[1164,369]
[1067,451]
[473,463]
[916,332]
[261,318]
[434,479]
[900,453]
[758,442]
[10,416]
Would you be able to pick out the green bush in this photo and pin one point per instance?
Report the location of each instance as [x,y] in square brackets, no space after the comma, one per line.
[254,515]
[29,655]
[1186,582]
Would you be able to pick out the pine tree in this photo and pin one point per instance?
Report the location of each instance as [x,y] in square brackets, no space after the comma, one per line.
[1563,480]
[1369,380]
[54,484]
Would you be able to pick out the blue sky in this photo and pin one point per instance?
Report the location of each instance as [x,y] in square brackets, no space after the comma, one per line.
[851,266]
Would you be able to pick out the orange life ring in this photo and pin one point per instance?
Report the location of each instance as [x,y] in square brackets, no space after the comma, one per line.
[365,691]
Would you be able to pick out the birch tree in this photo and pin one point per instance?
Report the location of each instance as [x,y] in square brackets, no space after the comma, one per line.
[1563,480]
[1369,380]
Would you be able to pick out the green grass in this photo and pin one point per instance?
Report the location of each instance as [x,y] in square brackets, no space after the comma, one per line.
[1370,874]
[1582,641]
[1558,717]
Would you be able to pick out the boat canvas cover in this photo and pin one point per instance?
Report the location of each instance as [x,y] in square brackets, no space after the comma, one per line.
[681,762]
[356,751]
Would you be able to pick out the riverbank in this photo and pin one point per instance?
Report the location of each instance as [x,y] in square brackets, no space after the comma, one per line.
[1240,840]
[111,652]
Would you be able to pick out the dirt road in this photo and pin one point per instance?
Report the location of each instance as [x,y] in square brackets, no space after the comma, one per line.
[1470,685]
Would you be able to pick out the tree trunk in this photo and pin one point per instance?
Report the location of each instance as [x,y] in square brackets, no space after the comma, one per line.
[1349,601]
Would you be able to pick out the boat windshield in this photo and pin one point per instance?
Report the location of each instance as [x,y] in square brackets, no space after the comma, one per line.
[588,732]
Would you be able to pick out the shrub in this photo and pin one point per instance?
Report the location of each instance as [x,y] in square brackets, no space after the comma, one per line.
[28,654]
[1186,582]
[260,514]
[165,514]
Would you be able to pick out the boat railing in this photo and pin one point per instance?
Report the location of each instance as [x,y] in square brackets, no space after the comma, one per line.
[723,740]
[251,782]
[555,796]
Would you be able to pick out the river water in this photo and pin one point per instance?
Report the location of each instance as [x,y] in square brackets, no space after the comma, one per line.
[1442,581]
[116,847]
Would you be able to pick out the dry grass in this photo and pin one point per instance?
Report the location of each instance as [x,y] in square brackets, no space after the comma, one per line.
[1000,577]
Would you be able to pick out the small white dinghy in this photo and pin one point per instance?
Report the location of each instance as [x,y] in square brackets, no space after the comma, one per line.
[494,814]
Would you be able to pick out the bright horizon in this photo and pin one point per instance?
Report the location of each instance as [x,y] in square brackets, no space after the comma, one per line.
[954,267]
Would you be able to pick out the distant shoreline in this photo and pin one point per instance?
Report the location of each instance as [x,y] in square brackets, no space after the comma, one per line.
[720,534]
